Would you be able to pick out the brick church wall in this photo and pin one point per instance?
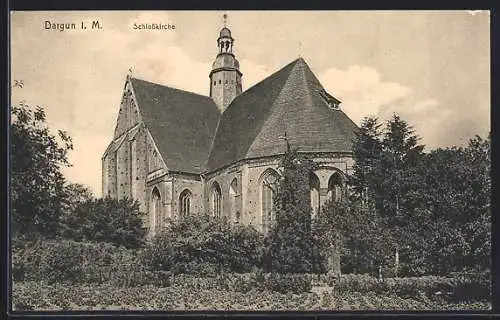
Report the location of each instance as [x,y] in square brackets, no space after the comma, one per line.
[192,183]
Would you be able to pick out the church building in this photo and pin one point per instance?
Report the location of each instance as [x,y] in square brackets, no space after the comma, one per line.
[180,153]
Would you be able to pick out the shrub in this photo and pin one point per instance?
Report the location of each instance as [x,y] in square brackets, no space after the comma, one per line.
[70,261]
[458,287]
[106,220]
[203,245]
[275,282]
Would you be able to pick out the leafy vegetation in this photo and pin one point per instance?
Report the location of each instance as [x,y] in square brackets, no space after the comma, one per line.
[119,222]
[203,244]
[37,184]
[290,245]
[38,296]
[424,216]
[413,213]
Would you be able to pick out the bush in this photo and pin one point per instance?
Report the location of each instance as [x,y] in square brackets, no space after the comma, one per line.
[70,261]
[274,282]
[457,287]
[203,245]
[106,220]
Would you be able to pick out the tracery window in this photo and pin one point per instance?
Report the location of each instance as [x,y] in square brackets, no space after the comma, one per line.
[185,203]
[269,181]
[156,212]
[216,200]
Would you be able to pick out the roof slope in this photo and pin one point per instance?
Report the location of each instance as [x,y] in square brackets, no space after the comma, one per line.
[181,123]
[287,101]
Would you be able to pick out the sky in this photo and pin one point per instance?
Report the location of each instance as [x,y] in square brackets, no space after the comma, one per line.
[430,67]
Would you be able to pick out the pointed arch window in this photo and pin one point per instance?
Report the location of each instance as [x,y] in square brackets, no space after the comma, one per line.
[335,190]
[268,186]
[185,203]
[156,212]
[216,200]
[233,196]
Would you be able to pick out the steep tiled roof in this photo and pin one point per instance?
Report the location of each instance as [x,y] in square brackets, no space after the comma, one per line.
[290,101]
[181,123]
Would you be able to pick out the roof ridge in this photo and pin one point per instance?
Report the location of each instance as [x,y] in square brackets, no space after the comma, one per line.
[294,64]
[269,76]
[272,86]
[303,69]
[171,88]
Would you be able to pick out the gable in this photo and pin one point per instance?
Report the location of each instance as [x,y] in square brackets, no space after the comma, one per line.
[128,114]
[182,124]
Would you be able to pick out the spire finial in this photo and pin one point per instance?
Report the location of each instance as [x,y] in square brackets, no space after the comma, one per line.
[225,19]
[130,72]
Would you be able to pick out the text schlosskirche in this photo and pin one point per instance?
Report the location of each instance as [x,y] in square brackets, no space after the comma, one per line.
[153,26]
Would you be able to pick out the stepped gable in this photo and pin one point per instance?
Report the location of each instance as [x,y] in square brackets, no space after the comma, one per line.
[181,123]
[291,100]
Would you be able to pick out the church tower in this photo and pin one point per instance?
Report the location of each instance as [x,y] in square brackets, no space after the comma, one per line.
[225,77]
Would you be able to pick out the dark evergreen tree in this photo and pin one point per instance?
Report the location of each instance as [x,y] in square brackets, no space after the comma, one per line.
[291,244]
[367,150]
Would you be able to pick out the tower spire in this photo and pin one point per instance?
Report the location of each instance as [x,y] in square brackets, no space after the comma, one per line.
[225,77]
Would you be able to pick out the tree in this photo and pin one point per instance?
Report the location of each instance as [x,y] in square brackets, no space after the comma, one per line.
[290,240]
[432,209]
[73,196]
[37,183]
[383,184]
[107,220]
[401,152]
[367,150]
[454,218]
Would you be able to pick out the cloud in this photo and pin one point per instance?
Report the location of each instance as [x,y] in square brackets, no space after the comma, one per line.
[361,90]
[78,76]
[363,93]
[252,73]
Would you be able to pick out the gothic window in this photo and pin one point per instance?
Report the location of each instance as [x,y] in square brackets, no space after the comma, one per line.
[185,203]
[233,194]
[220,81]
[216,200]
[215,83]
[335,187]
[156,214]
[314,188]
[268,186]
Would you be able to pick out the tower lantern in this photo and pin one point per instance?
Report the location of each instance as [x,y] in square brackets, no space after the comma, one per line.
[225,77]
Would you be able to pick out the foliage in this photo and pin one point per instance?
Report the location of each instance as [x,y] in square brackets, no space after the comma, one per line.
[117,221]
[456,288]
[42,296]
[363,236]
[68,261]
[203,245]
[454,229]
[37,183]
[290,246]
[421,213]
[276,282]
